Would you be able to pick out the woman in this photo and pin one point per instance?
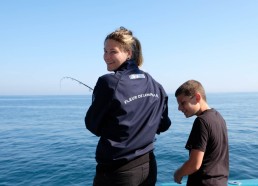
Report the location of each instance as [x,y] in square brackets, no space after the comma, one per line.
[129,107]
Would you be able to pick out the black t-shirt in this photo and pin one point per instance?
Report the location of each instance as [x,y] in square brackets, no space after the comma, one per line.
[209,134]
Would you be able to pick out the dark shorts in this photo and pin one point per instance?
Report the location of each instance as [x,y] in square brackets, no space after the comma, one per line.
[139,172]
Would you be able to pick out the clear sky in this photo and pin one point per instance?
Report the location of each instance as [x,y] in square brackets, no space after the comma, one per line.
[41,41]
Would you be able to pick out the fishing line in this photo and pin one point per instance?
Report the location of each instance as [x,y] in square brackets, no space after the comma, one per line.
[67,77]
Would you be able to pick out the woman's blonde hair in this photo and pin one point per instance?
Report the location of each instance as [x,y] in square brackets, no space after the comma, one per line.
[128,43]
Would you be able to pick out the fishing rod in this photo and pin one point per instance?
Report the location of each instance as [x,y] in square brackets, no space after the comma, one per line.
[67,77]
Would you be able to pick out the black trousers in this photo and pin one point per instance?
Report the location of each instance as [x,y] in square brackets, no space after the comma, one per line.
[138,172]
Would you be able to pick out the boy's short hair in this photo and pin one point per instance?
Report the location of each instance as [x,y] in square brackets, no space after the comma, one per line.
[190,88]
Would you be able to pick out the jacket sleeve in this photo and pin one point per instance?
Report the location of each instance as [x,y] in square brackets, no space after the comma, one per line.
[165,122]
[95,116]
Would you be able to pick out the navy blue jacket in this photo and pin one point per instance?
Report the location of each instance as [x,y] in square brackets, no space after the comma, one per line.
[128,108]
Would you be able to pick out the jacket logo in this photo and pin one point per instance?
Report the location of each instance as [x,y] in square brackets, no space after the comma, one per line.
[136,76]
[141,96]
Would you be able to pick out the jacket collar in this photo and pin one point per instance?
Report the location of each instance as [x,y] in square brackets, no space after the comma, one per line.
[126,65]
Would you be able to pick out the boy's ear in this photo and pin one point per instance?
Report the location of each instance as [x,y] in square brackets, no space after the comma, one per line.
[198,97]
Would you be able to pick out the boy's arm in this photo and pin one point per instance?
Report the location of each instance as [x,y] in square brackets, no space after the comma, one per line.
[192,165]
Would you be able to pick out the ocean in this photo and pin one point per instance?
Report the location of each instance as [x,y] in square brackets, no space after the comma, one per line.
[43,139]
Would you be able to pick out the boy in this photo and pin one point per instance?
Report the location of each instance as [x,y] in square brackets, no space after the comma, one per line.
[208,162]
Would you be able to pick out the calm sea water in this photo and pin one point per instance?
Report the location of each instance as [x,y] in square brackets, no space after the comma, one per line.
[43,140]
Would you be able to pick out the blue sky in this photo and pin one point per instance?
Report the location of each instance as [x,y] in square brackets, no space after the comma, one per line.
[214,42]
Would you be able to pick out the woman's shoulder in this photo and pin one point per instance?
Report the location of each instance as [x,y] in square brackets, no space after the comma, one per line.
[108,80]
[107,76]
